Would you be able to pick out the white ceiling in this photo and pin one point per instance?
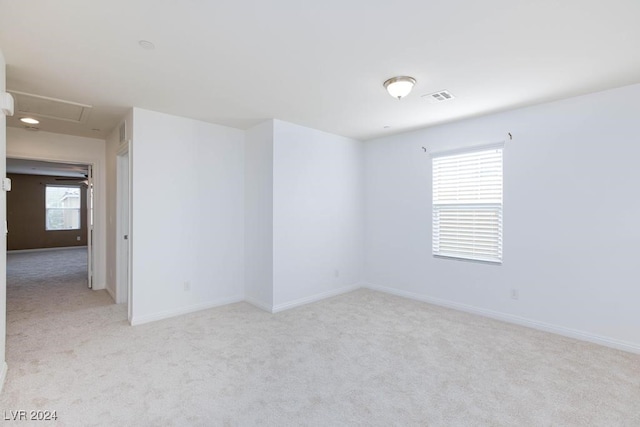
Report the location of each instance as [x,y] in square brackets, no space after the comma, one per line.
[318,64]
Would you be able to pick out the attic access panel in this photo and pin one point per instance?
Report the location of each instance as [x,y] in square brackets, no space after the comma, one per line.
[27,104]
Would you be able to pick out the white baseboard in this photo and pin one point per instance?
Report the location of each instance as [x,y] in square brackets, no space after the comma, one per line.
[261,305]
[510,318]
[3,374]
[314,298]
[139,320]
[22,251]
[99,287]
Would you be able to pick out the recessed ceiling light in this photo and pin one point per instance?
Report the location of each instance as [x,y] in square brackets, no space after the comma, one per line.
[29,120]
[146,45]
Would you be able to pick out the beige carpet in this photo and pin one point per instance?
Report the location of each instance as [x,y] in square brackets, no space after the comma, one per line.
[360,359]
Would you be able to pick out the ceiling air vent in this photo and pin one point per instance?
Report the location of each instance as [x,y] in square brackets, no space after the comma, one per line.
[443,95]
[51,108]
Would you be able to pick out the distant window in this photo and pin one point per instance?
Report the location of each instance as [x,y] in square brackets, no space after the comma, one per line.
[62,208]
[467,204]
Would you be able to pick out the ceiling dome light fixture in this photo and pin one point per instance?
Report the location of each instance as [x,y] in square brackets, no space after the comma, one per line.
[29,120]
[400,86]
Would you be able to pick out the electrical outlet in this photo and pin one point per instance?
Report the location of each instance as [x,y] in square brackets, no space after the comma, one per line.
[187,286]
[515,294]
[336,273]
[78,238]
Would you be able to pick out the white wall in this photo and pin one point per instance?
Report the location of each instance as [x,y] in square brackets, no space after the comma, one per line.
[258,181]
[571,210]
[187,215]
[3,239]
[317,214]
[65,148]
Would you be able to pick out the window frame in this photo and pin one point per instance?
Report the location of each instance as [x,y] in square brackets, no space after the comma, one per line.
[471,212]
[47,209]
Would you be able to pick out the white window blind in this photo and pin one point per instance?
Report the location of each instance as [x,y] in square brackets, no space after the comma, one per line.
[467,204]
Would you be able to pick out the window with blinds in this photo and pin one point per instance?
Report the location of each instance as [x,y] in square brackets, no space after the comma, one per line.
[467,204]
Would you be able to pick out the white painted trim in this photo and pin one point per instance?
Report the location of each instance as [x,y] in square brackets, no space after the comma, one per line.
[467,149]
[510,318]
[3,374]
[123,288]
[314,298]
[90,218]
[98,286]
[139,320]
[261,305]
[62,248]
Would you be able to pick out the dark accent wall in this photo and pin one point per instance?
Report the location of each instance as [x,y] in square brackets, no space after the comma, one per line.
[26,215]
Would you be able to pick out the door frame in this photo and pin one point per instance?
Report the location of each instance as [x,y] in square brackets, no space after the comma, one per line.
[124,288]
[90,218]
[92,238]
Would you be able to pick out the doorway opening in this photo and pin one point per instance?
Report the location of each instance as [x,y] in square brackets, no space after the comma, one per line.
[50,208]
[50,261]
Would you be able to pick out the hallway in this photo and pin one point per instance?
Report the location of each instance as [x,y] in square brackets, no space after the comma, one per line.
[50,308]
